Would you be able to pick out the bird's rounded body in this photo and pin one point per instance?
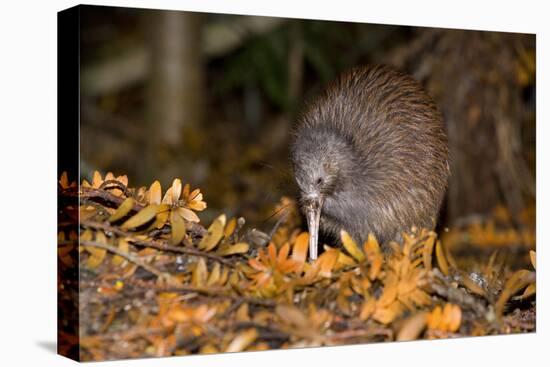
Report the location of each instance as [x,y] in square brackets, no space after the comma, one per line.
[371,153]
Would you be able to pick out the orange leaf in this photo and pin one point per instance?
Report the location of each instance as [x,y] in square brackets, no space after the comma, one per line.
[454,316]
[367,309]
[435,317]
[272,253]
[299,251]
[283,253]
[327,261]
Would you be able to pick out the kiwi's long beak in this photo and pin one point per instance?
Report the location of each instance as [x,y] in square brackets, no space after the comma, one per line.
[313,214]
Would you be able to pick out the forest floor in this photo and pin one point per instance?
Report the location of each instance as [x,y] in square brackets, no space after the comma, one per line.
[141,276]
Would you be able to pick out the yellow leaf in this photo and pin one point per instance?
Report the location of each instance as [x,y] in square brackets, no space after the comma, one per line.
[374,255]
[178,227]
[242,313]
[345,260]
[188,215]
[517,281]
[215,274]
[167,199]
[351,246]
[87,235]
[214,235]
[142,217]
[412,327]
[242,341]
[97,255]
[154,194]
[163,212]
[385,315]
[441,260]
[96,180]
[390,290]
[200,272]
[529,291]
[186,188]
[238,248]
[208,349]
[533,257]
[427,251]
[230,227]
[122,210]
[311,271]
[176,190]
[122,246]
[291,315]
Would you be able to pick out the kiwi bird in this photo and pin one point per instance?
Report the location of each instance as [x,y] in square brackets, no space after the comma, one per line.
[370,155]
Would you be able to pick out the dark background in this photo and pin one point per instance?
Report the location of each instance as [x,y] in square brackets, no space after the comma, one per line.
[211,99]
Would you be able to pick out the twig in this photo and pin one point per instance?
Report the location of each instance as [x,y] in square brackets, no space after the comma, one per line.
[115,201]
[157,244]
[348,334]
[92,193]
[117,184]
[211,291]
[125,255]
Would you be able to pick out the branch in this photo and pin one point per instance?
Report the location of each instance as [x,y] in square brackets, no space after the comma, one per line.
[156,244]
[127,256]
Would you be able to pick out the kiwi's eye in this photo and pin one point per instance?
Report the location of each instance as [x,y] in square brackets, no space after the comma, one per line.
[319,181]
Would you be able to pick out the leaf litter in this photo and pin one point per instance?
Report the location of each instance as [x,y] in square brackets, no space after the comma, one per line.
[155,281]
